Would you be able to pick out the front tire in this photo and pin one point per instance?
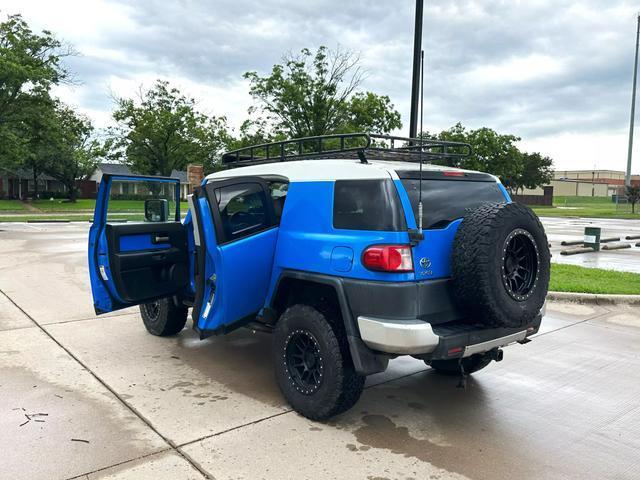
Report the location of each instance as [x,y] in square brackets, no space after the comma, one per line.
[163,317]
[312,363]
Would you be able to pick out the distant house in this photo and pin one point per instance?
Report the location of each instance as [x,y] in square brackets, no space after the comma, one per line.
[131,188]
[19,184]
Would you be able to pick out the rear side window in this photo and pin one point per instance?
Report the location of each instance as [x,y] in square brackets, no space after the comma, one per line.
[446,200]
[243,209]
[367,205]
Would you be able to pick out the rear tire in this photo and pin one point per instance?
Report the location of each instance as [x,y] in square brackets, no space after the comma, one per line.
[500,265]
[163,318]
[452,367]
[312,363]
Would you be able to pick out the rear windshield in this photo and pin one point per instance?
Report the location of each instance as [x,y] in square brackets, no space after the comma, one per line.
[367,205]
[446,200]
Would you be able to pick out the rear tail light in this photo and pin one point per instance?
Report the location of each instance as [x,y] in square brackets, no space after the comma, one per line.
[388,258]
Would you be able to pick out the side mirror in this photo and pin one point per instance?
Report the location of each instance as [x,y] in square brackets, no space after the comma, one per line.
[156,210]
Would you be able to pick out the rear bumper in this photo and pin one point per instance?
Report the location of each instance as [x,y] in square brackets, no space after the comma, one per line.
[398,336]
[419,338]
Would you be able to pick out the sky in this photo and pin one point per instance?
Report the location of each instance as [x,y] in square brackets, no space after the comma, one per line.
[557,73]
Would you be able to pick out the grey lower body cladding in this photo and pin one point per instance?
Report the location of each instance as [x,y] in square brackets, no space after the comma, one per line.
[422,319]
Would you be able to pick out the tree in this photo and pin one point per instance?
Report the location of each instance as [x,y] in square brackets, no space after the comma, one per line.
[633,196]
[30,64]
[163,131]
[498,154]
[315,94]
[536,171]
[73,151]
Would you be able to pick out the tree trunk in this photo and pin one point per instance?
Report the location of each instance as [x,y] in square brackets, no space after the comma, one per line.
[35,182]
[73,194]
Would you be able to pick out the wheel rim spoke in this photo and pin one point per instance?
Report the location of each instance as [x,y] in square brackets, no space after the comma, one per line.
[520,264]
[303,362]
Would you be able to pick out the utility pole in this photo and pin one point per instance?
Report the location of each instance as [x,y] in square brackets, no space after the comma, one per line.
[627,178]
[415,83]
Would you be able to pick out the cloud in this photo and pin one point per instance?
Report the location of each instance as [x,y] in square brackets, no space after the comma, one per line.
[556,73]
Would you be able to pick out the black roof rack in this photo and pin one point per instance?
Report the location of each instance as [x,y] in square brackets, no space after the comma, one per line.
[349,145]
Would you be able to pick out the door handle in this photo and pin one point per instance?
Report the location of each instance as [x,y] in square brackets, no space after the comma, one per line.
[159,239]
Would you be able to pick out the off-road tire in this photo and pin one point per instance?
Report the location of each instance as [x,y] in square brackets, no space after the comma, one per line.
[339,387]
[478,265]
[163,317]
[452,367]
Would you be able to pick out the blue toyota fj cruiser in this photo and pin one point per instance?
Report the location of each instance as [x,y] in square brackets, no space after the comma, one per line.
[352,249]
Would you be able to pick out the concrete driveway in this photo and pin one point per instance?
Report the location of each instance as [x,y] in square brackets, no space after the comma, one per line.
[94,398]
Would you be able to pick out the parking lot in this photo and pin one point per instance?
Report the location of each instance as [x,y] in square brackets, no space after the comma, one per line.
[86,397]
[561,229]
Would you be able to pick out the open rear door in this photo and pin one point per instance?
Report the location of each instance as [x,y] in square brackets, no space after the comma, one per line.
[235,232]
[137,243]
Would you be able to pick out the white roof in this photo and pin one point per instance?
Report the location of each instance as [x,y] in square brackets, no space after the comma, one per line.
[326,170]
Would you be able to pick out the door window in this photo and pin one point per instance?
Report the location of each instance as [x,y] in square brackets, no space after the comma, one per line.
[243,210]
[143,200]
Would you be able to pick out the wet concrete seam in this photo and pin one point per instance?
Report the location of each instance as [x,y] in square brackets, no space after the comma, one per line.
[122,314]
[111,390]
[237,427]
[595,317]
[119,464]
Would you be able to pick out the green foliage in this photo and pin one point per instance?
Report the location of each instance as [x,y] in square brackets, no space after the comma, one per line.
[30,64]
[315,94]
[71,152]
[499,155]
[536,171]
[633,196]
[163,131]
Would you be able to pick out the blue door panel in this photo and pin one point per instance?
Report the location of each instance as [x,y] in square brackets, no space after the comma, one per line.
[237,274]
[243,270]
[103,287]
[99,272]
[134,243]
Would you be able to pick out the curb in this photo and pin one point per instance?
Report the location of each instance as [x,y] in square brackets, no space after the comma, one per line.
[594,298]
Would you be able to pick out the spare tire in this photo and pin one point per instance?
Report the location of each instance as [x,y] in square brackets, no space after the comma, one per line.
[500,265]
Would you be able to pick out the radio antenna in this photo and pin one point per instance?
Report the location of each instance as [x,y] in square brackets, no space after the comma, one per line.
[421,138]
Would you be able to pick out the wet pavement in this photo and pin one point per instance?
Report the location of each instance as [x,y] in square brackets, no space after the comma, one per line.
[96,398]
[560,229]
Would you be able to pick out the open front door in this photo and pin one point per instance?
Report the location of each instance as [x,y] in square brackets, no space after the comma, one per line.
[237,229]
[137,243]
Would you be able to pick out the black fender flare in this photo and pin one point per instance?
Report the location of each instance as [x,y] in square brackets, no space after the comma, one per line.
[365,361]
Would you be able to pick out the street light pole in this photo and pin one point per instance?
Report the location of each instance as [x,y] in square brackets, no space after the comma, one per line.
[415,83]
[627,179]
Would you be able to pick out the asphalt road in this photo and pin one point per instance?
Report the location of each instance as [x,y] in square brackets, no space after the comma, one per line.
[86,397]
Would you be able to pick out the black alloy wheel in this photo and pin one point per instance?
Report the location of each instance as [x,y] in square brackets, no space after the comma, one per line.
[520,260]
[304,361]
[152,310]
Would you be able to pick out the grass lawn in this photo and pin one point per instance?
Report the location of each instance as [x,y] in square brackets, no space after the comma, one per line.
[571,278]
[80,206]
[11,206]
[595,207]
[89,205]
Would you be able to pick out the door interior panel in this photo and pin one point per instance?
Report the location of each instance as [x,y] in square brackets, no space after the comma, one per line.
[148,260]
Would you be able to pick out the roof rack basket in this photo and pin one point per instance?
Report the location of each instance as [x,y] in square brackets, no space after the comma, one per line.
[349,145]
